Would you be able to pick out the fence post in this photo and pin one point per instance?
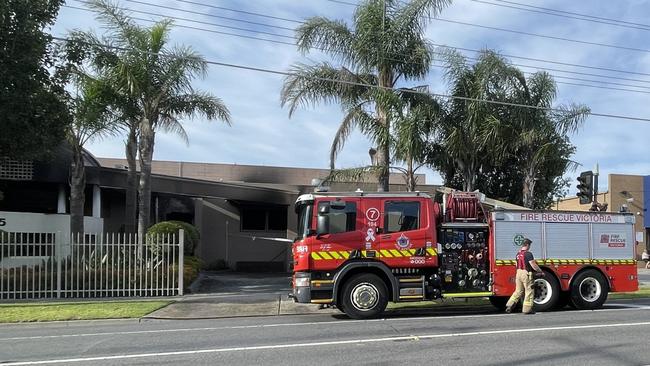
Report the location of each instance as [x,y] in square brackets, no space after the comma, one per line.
[181,244]
[57,257]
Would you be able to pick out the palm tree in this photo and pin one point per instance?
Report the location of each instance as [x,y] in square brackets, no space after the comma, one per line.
[414,127]
[470,131]
[156,82]
[91,120]
[385,46]
[540,132]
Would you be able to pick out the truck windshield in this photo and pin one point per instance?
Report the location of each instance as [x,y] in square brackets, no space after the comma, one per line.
[303,210]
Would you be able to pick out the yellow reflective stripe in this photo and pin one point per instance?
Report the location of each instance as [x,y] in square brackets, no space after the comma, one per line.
[324,255]
[468,294]
[412,251]
[385,253]
[345,255]
[315,256]
[431,251]
[395,253]
[405,253]
[335,255]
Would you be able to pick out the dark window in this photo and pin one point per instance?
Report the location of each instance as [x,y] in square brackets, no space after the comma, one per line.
[401,216]
[263,218]
[253,219]
[277,219]
[342,219]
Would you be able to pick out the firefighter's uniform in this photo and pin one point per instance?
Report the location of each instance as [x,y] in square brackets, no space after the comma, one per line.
[524,282]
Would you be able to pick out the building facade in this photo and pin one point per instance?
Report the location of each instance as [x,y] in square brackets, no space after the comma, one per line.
[244,213]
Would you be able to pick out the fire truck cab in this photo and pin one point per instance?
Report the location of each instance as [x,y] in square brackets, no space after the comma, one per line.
[358,251]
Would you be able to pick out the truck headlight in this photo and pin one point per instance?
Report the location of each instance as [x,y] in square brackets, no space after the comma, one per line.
[302,280]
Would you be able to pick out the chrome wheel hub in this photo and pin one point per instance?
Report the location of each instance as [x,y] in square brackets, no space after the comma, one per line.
[364,296]
[590,289]
[543,291]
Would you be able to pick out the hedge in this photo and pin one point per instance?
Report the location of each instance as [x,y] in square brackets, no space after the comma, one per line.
[172,228]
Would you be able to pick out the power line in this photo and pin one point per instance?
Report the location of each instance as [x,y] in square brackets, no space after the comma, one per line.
[585,85]
[292,44]
[236,11]
[204,14]
[542,35]
[562,14]
[438,45]
[353,83]
[557,63]
[191,21]
[572,13]
[520,32]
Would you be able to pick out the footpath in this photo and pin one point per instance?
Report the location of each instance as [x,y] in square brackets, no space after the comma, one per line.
[228,294]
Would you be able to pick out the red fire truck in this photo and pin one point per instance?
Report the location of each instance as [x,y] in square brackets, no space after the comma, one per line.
[357,251]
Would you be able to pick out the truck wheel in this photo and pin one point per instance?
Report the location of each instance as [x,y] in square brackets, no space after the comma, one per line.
[546,292]
[589,290]
[563,301]
[364,296]
[499,302]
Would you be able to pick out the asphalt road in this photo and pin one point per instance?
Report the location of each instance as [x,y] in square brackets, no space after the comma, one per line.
[644,278]
[615,335]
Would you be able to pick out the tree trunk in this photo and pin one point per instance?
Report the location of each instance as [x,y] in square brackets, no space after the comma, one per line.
[410,183]
[528,190]
[383,149]
[147,136]
[469,176]
[383,177]
[131,182]
[77,188]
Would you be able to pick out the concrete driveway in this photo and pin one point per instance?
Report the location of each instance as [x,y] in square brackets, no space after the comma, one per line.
[228,294]
[236,283]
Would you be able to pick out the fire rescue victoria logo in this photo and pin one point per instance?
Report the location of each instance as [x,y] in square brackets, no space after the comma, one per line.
[518,240]
[403,242]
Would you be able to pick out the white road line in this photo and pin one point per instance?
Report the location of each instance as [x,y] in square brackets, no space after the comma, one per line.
[321,344]
[624,307]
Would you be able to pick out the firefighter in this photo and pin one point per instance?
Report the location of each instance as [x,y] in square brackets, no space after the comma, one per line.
[524,279]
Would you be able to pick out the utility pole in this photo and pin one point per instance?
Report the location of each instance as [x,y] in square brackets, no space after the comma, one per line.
[595,206]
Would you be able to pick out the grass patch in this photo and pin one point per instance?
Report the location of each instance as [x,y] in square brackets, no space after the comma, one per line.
[41,312]
[644,292]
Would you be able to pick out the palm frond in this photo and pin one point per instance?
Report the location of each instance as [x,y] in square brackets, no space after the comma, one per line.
[309,84]
[355,116]
[359,174]
[333,36]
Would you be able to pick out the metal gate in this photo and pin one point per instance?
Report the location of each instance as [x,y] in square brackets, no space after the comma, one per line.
[60,265]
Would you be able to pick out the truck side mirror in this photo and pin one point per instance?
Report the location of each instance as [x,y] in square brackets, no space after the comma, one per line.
[338,205]
[323,224]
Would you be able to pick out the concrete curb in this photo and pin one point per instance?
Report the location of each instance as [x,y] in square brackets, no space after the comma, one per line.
[233,307]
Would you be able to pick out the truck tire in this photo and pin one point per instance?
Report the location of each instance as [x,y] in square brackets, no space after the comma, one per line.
[499,302]
[589,290]
[364,296]
[546,292]
[563,301]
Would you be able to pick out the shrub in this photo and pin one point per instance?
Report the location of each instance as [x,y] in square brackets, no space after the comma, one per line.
[216,265]
[191,268]
[172,228]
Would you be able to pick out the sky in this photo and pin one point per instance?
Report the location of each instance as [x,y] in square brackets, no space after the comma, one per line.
[263,134]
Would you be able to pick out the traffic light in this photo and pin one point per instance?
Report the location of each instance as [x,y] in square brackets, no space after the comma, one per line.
[586,187]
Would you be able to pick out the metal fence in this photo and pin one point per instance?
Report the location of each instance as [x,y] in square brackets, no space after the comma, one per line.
[60,265]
